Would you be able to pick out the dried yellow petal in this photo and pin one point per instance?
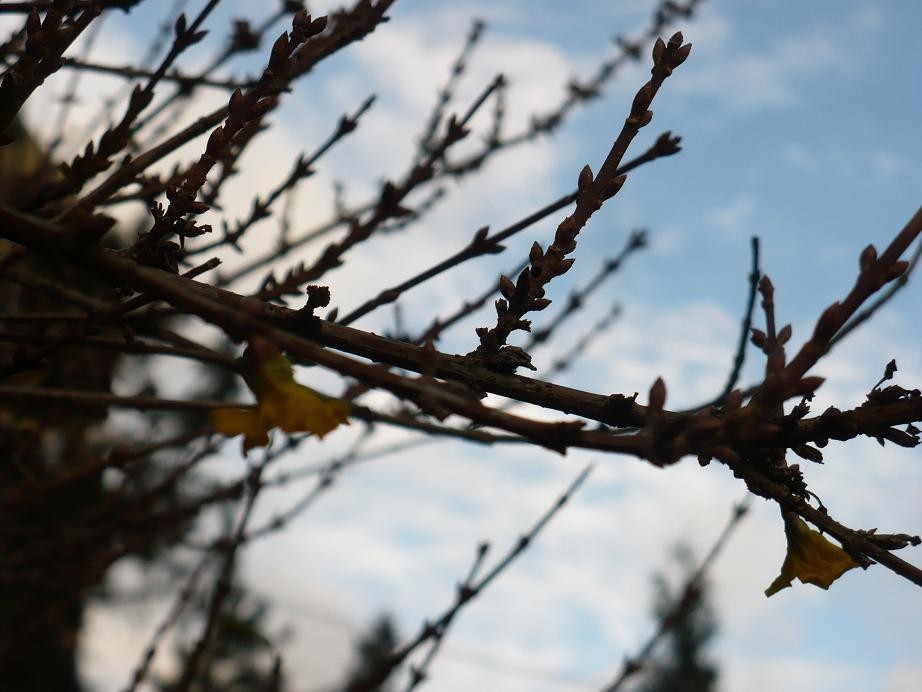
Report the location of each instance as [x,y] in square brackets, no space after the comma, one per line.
[280,401]
[811,558]
[238,421]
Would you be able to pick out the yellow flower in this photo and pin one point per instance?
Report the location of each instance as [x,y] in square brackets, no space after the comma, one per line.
[811,558]
[280,401]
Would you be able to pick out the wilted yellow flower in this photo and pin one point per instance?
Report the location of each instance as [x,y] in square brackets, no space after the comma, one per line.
[811,558]
[280,401]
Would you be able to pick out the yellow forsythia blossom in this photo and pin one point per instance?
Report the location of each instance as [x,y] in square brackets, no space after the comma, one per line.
[280,401]
[811,558]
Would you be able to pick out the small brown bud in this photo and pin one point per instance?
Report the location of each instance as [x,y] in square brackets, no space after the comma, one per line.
[196,207]
[809,453]
[643,119]
[642,99]
[318,25]
[235,103]
[657,397]
[784,335]
[260,108]
[807,385]
[903,439]
[658,48]
[828,323]
[522,284]
[536,254]
[726,455]
[506,287]
[216,141]
[758,338]
[279,53]
[867,258]
[613,187]
[585,178]
[895,271]
[681,55]
[34,22]
[301,20]
[179,28]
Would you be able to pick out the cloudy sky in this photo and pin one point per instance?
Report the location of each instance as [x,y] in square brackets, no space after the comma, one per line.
[800,125]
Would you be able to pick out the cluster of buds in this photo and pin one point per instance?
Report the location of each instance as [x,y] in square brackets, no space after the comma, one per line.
[244,115]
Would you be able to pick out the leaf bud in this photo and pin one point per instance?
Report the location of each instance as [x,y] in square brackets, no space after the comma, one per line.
[867,258]
[658,48]
[535,254]
[784,335]
[681,55]
[585,178]
[612,188]
[895,271]
[758,338]
[657,397]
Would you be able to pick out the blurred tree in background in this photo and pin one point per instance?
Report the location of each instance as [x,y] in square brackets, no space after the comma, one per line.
[684,665]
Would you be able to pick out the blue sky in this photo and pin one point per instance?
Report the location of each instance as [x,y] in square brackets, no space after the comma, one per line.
[799,124]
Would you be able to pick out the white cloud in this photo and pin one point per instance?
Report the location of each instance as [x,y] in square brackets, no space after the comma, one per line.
[800,158]
[746,77]
[904,678]
[732,217]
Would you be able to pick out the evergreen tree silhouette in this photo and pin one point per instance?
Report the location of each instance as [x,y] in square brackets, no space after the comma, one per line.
[371,651]
[684,665]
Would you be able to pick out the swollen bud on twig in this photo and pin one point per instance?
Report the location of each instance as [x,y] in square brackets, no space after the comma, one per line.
[658,48]
[784,335]
[613,187]
[536,254]
[506,287]
[235,103]
[480,235]
[585,178]
[828,323]
[758,338]
[196,207]
[34,22]
[809,453]
[279,52]
[681,55]
[318,25]
[657,398]
[180,26]
[896,270]
[868,258]
[216,141]
[806,386]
